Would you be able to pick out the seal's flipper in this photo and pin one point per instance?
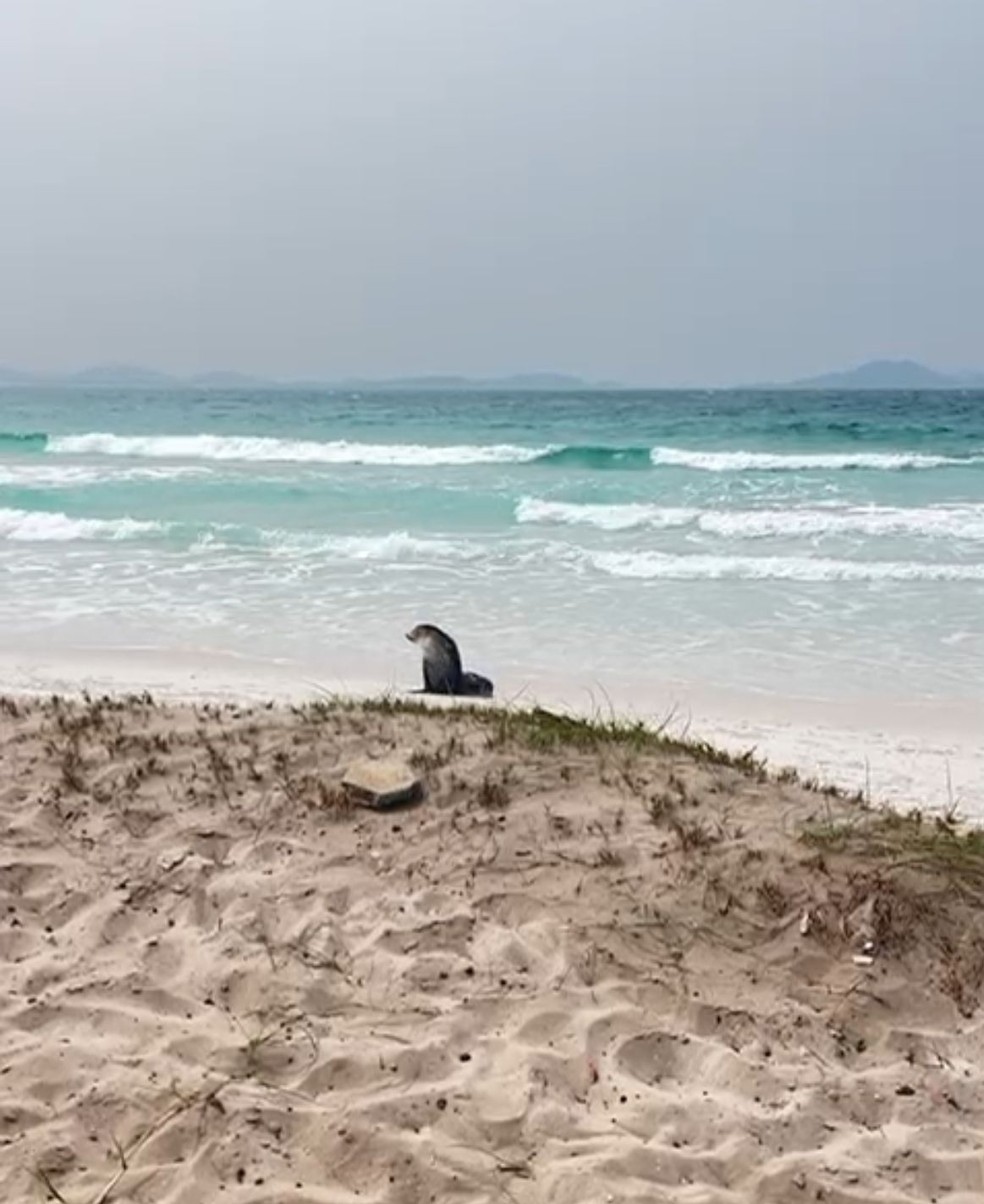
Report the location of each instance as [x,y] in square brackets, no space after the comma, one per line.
[439,679]
[476,685]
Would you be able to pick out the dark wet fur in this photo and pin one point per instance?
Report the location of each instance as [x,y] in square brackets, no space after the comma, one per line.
[443,673]
[476,685]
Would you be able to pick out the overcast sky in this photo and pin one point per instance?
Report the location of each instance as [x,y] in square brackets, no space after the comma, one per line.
[659,191]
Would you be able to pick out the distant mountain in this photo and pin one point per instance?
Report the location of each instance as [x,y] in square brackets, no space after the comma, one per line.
[122,376]
[889,374]
[875,374]
[135,376]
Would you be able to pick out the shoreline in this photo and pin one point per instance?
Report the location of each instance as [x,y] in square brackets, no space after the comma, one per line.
[905,755]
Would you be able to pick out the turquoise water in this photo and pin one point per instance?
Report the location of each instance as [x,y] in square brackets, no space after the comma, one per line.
[827,545]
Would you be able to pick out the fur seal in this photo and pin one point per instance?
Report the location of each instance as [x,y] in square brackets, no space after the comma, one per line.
[443,673]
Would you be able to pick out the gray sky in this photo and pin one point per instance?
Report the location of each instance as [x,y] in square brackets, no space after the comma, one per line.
[661,191]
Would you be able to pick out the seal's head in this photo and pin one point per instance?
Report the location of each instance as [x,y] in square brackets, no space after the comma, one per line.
[425,635]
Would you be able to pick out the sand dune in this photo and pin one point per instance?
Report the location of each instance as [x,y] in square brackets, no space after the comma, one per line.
[583,969]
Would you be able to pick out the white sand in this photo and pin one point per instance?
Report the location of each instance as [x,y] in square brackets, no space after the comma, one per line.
[919,754]
[567,976]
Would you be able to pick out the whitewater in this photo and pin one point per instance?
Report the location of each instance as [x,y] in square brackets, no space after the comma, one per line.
[774,565]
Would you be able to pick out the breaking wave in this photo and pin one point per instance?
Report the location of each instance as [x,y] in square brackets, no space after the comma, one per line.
[393,546]
[34,475]
[35,526]
[299,451]
[746,461]
[251,448]
[653,565]
[944,521]
[621,517]
[604,459]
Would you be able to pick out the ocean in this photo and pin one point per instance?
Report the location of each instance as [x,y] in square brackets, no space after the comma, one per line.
[754,552]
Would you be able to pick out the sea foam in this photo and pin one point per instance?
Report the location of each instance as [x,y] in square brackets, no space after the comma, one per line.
[393,546]
[260,448]
[73,476]
[619,517]
[654,565]
[942,522]
[300,451]
[954,521]
[36,526]
[747,461]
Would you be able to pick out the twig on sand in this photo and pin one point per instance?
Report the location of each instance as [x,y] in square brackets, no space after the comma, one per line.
[126,1156]
[42,1176]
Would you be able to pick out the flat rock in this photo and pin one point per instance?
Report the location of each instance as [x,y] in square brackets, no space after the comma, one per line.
[387,782]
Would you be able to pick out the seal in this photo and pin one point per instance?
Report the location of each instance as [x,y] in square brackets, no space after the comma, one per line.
[443,673]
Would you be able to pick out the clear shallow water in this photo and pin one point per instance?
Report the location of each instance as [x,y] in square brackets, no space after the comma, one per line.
[829,546]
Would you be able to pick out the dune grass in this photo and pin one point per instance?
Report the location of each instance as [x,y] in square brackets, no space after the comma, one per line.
[910,840]
[541,729]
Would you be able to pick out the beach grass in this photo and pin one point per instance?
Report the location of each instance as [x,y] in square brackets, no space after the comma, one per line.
[895,841]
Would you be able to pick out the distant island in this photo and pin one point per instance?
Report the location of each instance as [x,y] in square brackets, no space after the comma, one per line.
[134,376]
[875,374]
[889,374]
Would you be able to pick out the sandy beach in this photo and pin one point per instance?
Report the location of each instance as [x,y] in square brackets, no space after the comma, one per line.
[587,965]
[895,751]
[616,367]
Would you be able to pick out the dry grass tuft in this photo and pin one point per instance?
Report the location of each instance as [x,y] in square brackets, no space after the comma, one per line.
[912,880]
[493,792]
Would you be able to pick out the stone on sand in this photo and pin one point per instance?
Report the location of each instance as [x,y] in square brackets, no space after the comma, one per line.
[386,782]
